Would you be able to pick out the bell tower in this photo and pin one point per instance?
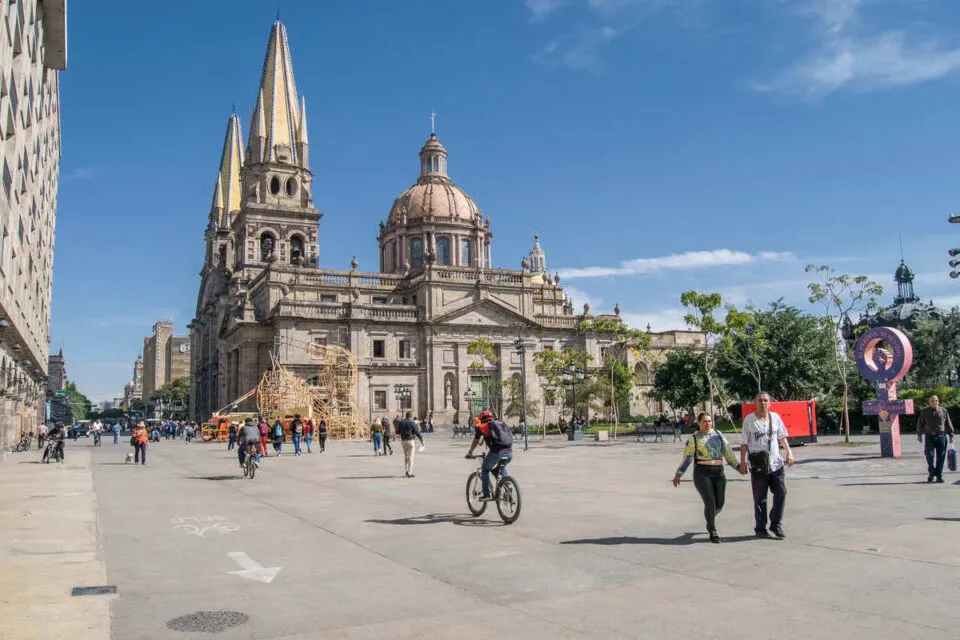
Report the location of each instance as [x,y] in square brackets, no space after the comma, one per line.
[278,222]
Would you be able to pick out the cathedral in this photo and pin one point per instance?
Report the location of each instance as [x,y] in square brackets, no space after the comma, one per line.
[263,297]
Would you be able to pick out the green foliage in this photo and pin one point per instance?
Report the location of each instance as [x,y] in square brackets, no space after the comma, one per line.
[485,351]
[176,392]
[780,350]
[702,306]
[936,350]
[514,400]
[550,364]
[681,380]
[842,295]
[80,403]
[617,329]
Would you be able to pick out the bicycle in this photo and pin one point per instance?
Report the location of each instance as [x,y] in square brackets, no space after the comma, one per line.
[506,493]
[250,463]
[24,444]
[96,438]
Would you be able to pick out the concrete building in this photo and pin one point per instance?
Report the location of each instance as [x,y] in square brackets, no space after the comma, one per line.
[165,357]
[33,49]
[133,390]
[262,294]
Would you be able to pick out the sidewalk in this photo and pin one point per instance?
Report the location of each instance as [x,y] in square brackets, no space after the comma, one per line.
[48,545]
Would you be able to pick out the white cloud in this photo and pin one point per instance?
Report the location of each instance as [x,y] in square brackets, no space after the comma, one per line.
[848,55]
[687,260]
[540,9]
[578,297]
[660,320]
[83,173]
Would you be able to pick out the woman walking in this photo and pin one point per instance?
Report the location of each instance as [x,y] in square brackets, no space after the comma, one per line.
[232,434]
[277,436]
[264,431]
[376,434]
[708,449]
[308,434]
[322,434]
[139,441]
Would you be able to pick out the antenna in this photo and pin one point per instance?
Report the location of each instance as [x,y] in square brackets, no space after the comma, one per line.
[901,246]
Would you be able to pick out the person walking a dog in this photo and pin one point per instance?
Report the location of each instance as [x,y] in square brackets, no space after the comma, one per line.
[139,441]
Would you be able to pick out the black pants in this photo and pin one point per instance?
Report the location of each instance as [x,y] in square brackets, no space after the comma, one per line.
[935,450]
[386,445]
[775,484]
[140,450]
[323,442]
[712,486]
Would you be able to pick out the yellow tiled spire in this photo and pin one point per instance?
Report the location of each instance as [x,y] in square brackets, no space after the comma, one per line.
[227,193]
[276,119]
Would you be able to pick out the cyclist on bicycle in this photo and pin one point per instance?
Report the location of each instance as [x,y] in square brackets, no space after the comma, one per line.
[249,434]
[499,440]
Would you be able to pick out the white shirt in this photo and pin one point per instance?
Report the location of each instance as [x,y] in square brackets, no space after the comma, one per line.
[42,430]
[754,435]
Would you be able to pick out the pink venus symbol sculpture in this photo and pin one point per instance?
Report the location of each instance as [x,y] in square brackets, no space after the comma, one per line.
[884,356]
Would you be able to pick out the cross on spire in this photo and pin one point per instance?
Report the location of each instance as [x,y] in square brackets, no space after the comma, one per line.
[433,121]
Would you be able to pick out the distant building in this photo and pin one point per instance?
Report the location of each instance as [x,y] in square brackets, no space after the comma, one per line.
[165,357]
[906,309]
[133,390]
[33,49]
[57,373]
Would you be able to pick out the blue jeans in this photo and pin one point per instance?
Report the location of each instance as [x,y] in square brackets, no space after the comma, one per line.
[296,443]
[377,442]
[309,440]
[490,462]
[233,441]
[242,452]
[935,449]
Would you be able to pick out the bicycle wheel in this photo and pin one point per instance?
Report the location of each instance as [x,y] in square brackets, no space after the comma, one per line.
[251,467]
[474,491]
[508,500]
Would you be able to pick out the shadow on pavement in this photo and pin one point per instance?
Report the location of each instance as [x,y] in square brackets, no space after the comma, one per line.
[682,540]
[110,464]
[438,518]
[852,458]
[368,477]
[230,477]
[941,519]
[879,484]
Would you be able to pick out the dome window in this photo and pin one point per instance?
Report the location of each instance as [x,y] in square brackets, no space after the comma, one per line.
[274,185]
[291,186]
[416,252]
[443,251]
[466,248]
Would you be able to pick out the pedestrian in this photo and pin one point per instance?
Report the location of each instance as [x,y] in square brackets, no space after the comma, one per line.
[935,424]
[139,442]
[407,431]
[296,433]
[308,429]
[387,434]
[41,435]
[232,435]
[762,431]
[707,449]
[116,433]
[376,435]
[322,434]
[264,432]
[277,436]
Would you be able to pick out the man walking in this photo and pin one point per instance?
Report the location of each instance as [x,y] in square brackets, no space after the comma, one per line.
[116,433]
[407,431]
[41,436]
[762,431]
[934,422]
[387,434]
[296,433]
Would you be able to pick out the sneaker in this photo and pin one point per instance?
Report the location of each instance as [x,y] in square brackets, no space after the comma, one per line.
[715,538]
[486,498]
[256,463]
[929,478]
[762,533]
[778,531]
[939,480]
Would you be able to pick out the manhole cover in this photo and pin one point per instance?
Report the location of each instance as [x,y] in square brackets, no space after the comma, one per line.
[208,621]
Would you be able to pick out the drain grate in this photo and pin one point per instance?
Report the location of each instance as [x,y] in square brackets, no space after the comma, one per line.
[94,591]
[208,621]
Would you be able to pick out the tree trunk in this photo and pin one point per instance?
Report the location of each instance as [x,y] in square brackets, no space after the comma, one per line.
[846,412]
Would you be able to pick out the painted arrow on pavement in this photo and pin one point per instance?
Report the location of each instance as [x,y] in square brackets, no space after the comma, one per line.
[251,569]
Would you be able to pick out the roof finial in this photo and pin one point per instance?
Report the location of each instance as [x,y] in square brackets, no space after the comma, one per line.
[901,246]
[234,108]
[433,122]
[278,13]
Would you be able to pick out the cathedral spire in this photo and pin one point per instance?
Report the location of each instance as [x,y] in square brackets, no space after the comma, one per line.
[302,142]
[537,258]
[227,192]
[277,109]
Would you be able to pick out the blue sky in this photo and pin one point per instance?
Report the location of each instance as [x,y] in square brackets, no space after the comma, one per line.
[655,145]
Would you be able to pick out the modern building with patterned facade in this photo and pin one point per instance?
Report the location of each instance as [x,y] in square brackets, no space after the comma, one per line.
[33,50]
[263,296]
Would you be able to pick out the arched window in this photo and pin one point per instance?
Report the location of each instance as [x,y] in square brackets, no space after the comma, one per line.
[416,252]
[465,249]
[296,250]
[266,246]
[443,251]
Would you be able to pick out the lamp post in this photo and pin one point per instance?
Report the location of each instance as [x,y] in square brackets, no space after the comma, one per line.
[572,374]
[370,394]
[469,396]
[401,392]
[521,347]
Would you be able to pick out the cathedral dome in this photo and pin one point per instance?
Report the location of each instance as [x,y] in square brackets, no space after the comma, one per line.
[434,194]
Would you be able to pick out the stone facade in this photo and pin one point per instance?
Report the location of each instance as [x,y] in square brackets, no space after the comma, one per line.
[56,373]
[32,52]
[165,357]
[262,295]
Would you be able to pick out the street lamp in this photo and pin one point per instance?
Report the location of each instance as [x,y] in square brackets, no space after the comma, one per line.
[572,374]
[469,396]
[401,392]
[521,347]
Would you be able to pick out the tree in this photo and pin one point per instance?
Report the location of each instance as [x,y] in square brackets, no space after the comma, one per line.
[513,390]
[779,350]
[175,394]
[681,381]
[486,357]
[550,365]
[80,403]
[842,295]
[702,307]
[936,350]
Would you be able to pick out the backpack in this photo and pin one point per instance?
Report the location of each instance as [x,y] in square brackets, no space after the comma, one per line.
[501,436]
[278,431]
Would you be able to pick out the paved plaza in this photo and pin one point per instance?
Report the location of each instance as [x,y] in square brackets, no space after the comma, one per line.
[341,545]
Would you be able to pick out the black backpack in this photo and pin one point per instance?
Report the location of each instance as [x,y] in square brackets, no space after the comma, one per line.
[501,436]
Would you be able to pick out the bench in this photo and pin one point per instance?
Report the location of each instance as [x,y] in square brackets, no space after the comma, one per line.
[645,429]
[462,431]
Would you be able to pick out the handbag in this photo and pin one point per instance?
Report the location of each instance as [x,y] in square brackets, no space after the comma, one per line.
[760,460]
[951,459]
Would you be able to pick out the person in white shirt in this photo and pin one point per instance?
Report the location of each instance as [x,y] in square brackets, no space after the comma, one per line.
[762,431]
[41,435]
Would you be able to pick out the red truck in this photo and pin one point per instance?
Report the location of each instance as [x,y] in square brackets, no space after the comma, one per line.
[799,416]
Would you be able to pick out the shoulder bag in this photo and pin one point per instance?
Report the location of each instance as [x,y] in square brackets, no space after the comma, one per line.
[760,460]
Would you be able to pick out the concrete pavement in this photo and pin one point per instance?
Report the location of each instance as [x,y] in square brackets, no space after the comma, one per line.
[605,546]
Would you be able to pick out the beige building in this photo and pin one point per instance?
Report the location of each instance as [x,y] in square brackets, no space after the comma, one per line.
[33,50]
[165,357]
[133,390]
[262,294]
